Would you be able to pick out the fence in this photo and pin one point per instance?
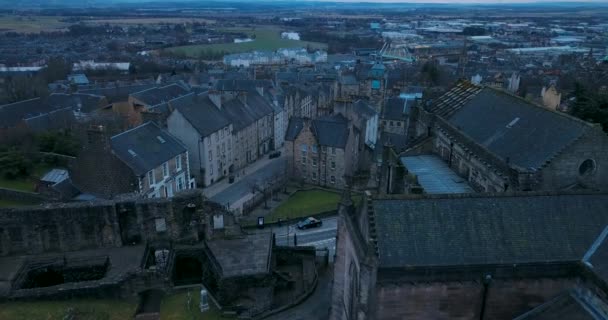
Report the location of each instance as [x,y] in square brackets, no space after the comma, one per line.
[266,194]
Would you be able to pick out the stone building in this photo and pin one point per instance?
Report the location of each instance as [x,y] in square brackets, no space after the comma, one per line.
[146,160]
[128,247]
[322,151]
[395,115]
[152,100]
[228,129]
[500,142]
[207,134]
[492,256]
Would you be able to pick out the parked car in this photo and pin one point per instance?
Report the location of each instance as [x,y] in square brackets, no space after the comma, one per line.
[275,154]
[309,222]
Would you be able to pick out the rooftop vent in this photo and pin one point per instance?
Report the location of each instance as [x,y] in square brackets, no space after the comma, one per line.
[160,139]
[131,152]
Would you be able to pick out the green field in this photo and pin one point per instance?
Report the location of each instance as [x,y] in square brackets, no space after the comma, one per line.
[266,38]
[59,310]
[30,24]
[175,307]
[307,203]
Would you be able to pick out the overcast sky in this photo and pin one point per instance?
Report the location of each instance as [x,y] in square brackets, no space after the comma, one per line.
[466,1]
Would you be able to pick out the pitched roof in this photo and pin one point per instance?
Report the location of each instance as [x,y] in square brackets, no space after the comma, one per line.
[487,229]
[155,96]
[514,129]
[202,114]
[55,176]
[396,109]
[331,131]
[363,108]
[452,100]
[242,85]
[242,115]
[293,129]
[118,92]
[145,147]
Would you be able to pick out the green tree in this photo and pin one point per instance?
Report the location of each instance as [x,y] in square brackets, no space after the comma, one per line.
[14,164]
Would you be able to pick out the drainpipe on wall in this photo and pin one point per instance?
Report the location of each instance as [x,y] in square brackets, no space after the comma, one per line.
[486,284]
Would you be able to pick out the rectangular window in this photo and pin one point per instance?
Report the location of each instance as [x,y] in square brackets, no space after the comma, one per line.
[151,178]
[314,175]
[210,156]
[332,179]
[333,165]
[333,150]
[323,149]
[314,148]
[180,184]
[165,169]
[178,163]
[314,162]
[161,224]
[304,147]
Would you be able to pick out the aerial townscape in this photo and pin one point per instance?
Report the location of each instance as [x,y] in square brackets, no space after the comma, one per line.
[322,160]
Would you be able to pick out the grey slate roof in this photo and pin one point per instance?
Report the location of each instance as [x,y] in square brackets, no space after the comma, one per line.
[487,229]
[142,148]
[202,114]
[118,93]
[363,108]
[293,129]
[396,109]
[11,114]
[242,85]
[331,131]
[155,96]
[512,128]
[243,115]
[245,256]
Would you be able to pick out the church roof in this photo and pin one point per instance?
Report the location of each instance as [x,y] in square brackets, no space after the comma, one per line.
[512,128]
[458,230]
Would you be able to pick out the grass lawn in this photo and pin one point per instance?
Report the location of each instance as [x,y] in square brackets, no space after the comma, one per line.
[143,21]
[174,307]
[307,203]
[30,24]
[21,184]
[11,203]
[267,38]
[27,184]
[57,310]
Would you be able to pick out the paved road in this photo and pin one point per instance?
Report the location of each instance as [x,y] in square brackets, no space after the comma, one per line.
[321,238]
[316,307]
[242,187]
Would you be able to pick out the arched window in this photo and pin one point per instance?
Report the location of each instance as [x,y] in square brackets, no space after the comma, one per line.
[587,167]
